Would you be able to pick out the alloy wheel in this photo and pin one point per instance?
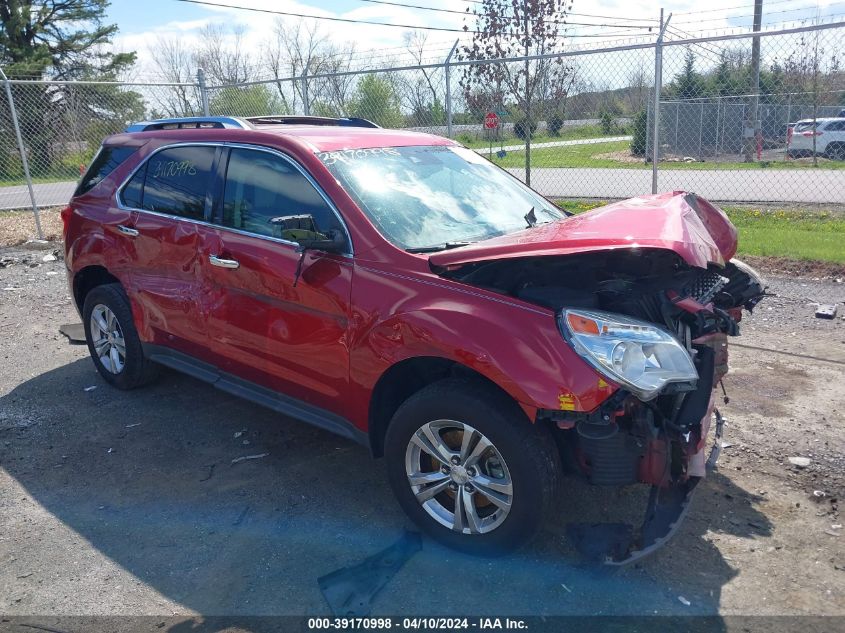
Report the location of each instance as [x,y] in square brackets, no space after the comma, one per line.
[107,339]
[459,477]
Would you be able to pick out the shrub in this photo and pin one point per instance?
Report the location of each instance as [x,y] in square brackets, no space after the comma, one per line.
[639,132]
[606,122]
[524,128]
[555,123]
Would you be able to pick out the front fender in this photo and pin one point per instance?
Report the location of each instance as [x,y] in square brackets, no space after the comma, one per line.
[516,346]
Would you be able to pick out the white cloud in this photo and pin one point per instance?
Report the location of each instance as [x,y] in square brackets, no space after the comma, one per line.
[384,41]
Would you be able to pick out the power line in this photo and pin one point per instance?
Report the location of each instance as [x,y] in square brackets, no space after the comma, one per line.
[743,6]
[324,17]
[468,14]
[353,21]
[749,15]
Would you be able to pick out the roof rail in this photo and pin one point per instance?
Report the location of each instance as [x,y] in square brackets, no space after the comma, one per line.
[294,119]
[189,122]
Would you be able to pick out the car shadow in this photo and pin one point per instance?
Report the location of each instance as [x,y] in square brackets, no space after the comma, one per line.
[147,479]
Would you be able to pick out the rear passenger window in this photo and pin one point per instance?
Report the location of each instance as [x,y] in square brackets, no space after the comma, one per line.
[836,126]
[105,162]
[174,181]
[265,194]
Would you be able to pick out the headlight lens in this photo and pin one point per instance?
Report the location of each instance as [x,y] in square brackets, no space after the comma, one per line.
[637,354]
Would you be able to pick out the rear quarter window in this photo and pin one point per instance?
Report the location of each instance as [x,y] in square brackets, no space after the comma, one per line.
[109,158]
[174,181]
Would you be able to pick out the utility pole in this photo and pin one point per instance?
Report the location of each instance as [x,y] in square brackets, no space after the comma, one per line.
[306,101]
[448,68]
[753,130]
[203,90]
[527,127]
[658,87]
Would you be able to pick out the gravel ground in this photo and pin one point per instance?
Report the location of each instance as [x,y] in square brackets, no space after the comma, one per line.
[16,227]
[127,502]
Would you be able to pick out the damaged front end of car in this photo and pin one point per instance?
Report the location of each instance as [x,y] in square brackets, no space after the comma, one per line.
[652,318]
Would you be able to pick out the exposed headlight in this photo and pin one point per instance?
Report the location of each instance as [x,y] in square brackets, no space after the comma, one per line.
[637,354]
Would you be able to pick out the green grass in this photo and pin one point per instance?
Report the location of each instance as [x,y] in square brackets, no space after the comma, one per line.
[793,234]
[589,156]
[571,156]
[566,134]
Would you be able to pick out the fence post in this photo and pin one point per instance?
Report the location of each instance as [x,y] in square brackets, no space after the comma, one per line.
[203,91]
[718,131]
[700,130]
[658,86]
[448,68]
[306,106]
[677,122]
[24,162]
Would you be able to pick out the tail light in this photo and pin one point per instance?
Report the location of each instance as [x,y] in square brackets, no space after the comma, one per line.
[810,133]
[789,132]
[65,215]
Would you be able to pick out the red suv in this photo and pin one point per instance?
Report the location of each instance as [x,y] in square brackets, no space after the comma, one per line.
[400,290]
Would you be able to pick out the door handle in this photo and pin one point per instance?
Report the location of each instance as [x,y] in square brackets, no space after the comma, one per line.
[127,230]
[223,263]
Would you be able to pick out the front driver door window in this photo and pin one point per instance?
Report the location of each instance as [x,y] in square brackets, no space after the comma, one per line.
[266,195]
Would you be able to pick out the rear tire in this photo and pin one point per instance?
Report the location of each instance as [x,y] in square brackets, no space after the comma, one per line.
[495,477]
[113,341]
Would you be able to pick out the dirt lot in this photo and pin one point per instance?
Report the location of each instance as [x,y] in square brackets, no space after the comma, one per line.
[128,503]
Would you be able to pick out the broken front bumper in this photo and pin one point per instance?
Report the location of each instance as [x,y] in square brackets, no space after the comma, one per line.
[618,544]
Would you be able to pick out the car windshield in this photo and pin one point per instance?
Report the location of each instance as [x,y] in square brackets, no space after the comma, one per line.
[433,197]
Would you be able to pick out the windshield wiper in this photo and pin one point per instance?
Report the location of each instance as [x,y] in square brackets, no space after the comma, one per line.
[437,247]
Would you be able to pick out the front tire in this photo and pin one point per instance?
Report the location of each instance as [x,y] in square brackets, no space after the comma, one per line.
[113,341]
[469,468]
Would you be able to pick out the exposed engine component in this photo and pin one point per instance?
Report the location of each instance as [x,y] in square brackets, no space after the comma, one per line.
[654,285]
[706,285]
[613,460]
[652,436]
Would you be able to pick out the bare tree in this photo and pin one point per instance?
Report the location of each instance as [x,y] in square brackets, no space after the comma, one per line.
[222,54]
[293,49]
[636,96]
[418,90]
[175,62]
[334,92]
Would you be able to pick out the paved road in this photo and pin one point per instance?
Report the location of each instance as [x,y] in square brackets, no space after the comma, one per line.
[777,185]
[51,194]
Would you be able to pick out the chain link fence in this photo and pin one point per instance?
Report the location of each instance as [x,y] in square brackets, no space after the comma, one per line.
[577,125]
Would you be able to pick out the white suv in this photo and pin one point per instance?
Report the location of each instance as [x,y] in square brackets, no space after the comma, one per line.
[829,135]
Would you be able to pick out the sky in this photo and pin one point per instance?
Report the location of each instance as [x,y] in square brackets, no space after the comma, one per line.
[141,23]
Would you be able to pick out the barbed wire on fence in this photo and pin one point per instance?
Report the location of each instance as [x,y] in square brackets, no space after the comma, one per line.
[590,129]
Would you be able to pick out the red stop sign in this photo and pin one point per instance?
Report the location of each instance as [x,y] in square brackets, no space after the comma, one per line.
[491,120]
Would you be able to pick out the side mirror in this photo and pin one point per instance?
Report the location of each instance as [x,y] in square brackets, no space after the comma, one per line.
[334,244]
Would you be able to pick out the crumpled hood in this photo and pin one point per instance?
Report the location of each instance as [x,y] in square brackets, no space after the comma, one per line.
[679,221]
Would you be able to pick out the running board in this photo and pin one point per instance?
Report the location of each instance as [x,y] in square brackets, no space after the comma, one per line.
[255,393]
